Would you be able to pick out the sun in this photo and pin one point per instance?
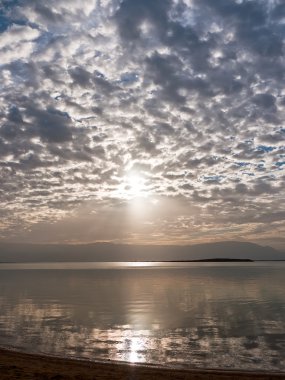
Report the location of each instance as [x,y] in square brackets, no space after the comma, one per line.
[135,186]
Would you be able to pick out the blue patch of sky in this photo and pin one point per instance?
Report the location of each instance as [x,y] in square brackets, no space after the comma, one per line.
[265,148]
[242,164]
[213,178]
[280,163]
[21,72]
[129,78]
[5,20]
[43,40]
[260,166]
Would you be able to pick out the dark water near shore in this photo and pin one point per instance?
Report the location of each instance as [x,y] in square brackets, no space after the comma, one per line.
[227,315]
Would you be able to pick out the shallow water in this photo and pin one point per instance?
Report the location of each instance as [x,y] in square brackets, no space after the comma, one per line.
[227,315]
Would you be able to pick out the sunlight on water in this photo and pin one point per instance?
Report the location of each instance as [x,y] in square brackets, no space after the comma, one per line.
[135,347]
[201,315]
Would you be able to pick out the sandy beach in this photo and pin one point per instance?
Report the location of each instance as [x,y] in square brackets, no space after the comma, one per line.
[16,365]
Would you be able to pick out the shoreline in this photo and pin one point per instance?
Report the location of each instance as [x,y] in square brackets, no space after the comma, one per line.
[27,366]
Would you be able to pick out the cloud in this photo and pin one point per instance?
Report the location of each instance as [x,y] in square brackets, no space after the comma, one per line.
[17,42]
[51,125]
[186,94]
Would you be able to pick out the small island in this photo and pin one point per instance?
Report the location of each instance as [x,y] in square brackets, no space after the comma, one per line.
[220,260]
[214,260]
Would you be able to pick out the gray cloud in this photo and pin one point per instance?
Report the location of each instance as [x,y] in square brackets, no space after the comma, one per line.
[51,124]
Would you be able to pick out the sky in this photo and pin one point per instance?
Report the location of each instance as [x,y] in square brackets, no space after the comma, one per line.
[141,121]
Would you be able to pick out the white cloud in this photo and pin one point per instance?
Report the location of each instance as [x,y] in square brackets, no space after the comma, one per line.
[17,43]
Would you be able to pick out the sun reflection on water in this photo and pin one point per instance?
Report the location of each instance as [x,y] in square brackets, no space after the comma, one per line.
[135,346]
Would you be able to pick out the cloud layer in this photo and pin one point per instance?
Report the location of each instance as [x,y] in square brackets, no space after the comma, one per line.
[178,103]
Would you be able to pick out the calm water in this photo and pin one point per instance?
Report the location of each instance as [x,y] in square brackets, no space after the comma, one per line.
[201,315]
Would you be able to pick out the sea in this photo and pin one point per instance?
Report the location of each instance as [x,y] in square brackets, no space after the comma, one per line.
[190,315]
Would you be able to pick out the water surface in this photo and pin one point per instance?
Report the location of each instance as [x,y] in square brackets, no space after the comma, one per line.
[227,315]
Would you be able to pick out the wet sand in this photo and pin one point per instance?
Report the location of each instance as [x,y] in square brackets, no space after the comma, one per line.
[16,365]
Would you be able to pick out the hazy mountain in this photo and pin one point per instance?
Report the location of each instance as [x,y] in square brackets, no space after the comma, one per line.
[10,252]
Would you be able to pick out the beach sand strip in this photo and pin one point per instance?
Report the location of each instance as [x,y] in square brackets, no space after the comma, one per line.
[18,365]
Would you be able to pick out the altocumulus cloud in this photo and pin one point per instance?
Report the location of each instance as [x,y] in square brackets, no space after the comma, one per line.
[184,97]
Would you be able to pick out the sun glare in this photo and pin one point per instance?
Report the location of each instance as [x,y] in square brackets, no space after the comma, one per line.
[136,346]
[135,186]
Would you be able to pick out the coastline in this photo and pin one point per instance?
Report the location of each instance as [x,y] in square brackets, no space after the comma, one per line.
[26,366]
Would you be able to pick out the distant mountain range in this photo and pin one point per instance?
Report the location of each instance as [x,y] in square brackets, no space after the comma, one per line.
[12,252]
